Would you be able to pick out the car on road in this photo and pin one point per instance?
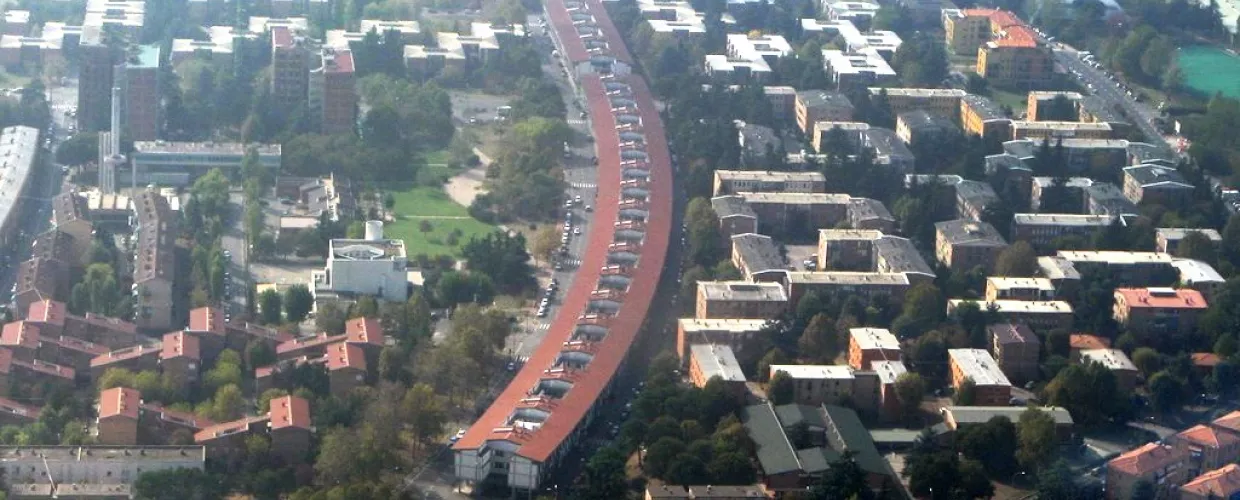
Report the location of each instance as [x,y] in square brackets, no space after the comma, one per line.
[577,230]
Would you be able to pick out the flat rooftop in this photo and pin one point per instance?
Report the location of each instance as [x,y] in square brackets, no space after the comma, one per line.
[742,291]
[204,148]
[346,249]
[693,325]
[979,366]
[717,361]
[813,372]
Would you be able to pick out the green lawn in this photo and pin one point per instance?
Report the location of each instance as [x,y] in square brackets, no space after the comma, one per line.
[415,204]
[1015,100]
[441,156]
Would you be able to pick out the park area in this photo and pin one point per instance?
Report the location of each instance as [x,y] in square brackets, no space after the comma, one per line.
[430,222]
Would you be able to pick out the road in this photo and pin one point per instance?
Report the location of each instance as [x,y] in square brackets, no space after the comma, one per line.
[45,183]
[1099,83]
[233,241]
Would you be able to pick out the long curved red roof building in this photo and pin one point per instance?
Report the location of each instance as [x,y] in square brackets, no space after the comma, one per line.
[548,405]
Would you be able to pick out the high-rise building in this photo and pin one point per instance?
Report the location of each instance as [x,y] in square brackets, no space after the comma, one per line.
[137,77]
[95,80]
[290,59]
[332,94]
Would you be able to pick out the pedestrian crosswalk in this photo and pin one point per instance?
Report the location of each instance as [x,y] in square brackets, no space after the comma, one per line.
[542,327]
[571,262]
[583,185]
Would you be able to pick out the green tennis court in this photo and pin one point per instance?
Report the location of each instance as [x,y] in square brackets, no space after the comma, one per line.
[1210,70]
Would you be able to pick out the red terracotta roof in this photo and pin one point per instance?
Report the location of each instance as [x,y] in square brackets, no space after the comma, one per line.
[1230,421]
[540,444]
[126,354]
[206,320]
[614,42]
[178,344]
[20,334]
[290,411]
[562,22]
[119,402]
[1206,359]
[228,428]
[345,355]
[20,409]
[1183,298]
[1085,341]
[281,36]
[47,311]
[1218,483]
[316,341]
[1146,459]
[364,331]
[1208,436]
[181,418]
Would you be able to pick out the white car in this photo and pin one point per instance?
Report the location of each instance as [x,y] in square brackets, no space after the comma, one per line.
[576,230]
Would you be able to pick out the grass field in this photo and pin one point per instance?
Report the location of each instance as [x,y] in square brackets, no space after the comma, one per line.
[415,204]
[438,157]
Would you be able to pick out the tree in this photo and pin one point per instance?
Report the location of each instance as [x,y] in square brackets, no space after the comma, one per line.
[78,149]
[1166,391]
[993,444]
[1090,392]
[661,455]
[425,411]
[546,241]
[297,303]
[602,477]
[269,303]
[775,356]
[702,233]
[1230,245]
[819,340]
[330,319]
[924,308]
[1195,245]
[179,484]
[1147,360]
[1038,439]
[1017,260]
[910,388]
[781,389]
[502,258]
[966,394]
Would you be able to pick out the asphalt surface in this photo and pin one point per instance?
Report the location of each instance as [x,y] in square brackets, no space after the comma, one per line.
[1099,83]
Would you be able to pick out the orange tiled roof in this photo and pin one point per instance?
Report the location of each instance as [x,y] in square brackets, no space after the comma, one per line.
[1146,459]
[345,355]
[290,411]
[20,334]
[119,401]
[1183,298]
[1208,436]
[1230,421]
[1218,483]
[1206,359]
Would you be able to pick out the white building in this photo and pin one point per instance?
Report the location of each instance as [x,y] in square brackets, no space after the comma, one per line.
[31,471]
[18,146]
[217,48]
[858,13]
[865,68]
[369,266]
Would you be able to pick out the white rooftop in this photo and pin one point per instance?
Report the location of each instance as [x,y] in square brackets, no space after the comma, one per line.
[874,338]
[815,372]
[717,361]
[1016,306]
[979,366]
[1113,359]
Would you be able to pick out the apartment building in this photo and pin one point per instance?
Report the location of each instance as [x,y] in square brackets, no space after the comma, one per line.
[958,418]
[888,150]
[72,217]
[290,66]
[1015,58]
[709,361]
[1098,157]
[1163,466]
[1114,360]
[363,332]
[967,30]
[758,258]
[96,472]
[1007,288]
[849,71]
[791,215]
[138,78]
[738,334]
[1042,316]
[972,198]
[1016,349]
[944,103]
[16,372]
[1167,239]
[1048,130]
[287,424]
[1135,269]
[759,181]
[1199,276]
[967,244]
[137,358]
[1078,342]
[1041,230]
[180,357]
[813,106]
[217,48]
[980,116]
[373,266]
[830,384]
[866,213]
[1223,482]
[41,279]
[332,93]
[1151,311]
[95,81]
[740,300]
[867,286]
[825,137]
[920,127]
[54,320]
[1104,198]
[346,368]
[154,274]
[991,386]
[869,345]
[117,423]
[1207,447]
[1156,184]
[735,216]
